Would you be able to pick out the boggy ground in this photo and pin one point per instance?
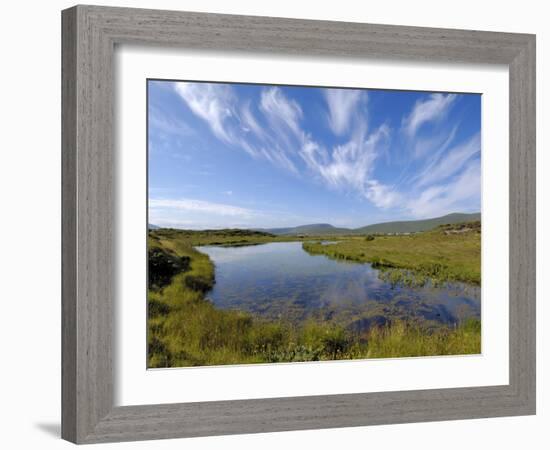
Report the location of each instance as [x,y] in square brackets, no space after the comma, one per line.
[186,329]
[448,253]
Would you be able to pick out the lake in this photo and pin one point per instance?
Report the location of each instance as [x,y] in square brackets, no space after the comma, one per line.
[282,281]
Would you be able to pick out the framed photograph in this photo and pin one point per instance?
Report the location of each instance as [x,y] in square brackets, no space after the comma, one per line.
[277,224]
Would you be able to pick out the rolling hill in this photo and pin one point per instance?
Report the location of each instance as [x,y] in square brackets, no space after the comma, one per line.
[312,229]
[412,226]
[408,226]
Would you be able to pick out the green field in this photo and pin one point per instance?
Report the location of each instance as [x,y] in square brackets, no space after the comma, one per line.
[445,254]
[186,329]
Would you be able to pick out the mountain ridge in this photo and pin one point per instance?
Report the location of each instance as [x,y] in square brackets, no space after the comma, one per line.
[402,226]
[413,226]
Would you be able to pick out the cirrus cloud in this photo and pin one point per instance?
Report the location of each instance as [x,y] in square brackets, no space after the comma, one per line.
[211,102]
[434,108]
[192,205]
[342,106]
[423,171]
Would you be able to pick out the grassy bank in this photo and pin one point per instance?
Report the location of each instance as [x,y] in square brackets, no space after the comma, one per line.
[186,329]
[178,239]
[448,253]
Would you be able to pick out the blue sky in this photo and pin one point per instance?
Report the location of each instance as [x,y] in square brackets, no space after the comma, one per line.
[237,155]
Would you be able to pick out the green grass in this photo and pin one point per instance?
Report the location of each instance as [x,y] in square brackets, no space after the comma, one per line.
[174,239]
[186,329]
[401,340]
[439,255]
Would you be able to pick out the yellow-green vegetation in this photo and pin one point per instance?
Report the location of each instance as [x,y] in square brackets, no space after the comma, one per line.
[186,329]
[173,239]
[401,340]
[448,253]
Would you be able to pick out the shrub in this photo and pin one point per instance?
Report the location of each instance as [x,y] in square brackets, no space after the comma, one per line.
[198,283]
[156,308]
[335,342]
[163,266]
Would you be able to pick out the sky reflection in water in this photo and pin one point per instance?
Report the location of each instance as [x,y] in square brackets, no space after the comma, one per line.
[282,281]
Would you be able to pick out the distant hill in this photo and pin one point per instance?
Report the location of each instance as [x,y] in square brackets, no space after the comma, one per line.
[312,229]
[413,226]
[326,229]
[407,226]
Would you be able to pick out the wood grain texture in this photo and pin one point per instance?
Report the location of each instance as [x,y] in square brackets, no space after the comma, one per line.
[88,209]
[89,36]
[68,226]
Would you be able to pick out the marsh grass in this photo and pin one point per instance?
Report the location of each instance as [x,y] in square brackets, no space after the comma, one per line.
[186,329]
[402,340]
[448,253]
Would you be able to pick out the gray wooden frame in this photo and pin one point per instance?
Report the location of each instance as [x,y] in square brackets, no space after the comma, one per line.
[89,37]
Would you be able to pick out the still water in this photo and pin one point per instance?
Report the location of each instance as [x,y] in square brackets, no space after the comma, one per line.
[282,281]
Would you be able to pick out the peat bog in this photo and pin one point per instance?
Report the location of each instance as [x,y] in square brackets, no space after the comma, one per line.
[241,296]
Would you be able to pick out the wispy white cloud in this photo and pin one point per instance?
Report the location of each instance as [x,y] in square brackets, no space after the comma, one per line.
[433,146]
[281,111]
[347,165]
[200,214]
[250,123]
[433,109]
[201,206]
[168,125]
[450,163]
[271,127]
[460,194]
[342,106]
[383,196]
[350,165]
[278,156]
[211,102]
[234,121]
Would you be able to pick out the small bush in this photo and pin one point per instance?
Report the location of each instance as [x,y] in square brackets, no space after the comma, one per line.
[156,308]
[335,342]
[198,283]
[163,266]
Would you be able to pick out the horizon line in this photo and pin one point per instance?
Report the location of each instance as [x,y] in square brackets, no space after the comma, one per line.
[149,225]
